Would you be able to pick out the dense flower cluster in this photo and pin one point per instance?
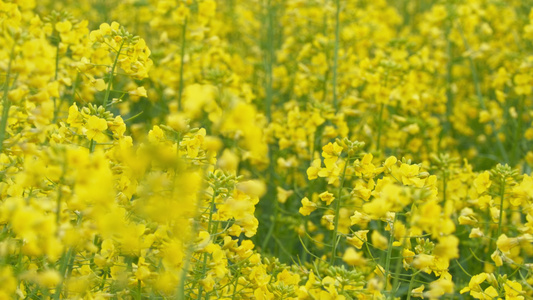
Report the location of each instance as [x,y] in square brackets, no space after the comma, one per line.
[280,149]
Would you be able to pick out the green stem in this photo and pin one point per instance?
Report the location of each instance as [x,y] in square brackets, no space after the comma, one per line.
[337,210]
[444,185]
[380,121]
[269,59]
[56,105]
[182,61]
[502,197]
[74,87]
[104,276]
[190,248]
[211,212]
[92,145]
[273,220]
[58,204]
[336,55]
[66,265]
[63,270]
[139,289]
[449,81]
[6,102]
[395,282]
[236,284]
[112,75]
[268,62]
[389,254]
[60,191]
[515,152]
[204,265]
[411,283]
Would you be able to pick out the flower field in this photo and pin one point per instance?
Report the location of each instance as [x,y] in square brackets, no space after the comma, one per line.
[266,149]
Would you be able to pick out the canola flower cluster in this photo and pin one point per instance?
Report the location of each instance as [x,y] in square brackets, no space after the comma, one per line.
[266,149]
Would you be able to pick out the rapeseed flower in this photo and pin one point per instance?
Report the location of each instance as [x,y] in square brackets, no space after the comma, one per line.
[234,149]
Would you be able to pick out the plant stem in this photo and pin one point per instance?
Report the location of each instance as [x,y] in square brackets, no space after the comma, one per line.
[502,197]
[139,290]
[449,78]
[5,101]
[236,284]
[206,254]
[515,152]
[395,282]
[411,283]
[269,59]
[56,105]
[112,75]
[389,254]
[92,144]
[336,55]
[444,184]
[66,264]
[380,121]
[190,249]
[337,210]
[182,60]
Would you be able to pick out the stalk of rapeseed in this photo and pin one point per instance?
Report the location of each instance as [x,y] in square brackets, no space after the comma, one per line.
[6,103]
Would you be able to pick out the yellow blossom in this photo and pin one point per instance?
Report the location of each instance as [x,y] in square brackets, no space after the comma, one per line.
[482,182]
[353,258]
[95,129]
[307,207]
[326,197]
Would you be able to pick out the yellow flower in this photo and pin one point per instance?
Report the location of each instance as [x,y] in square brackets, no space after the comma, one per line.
[447,247]
[254,188]
[408,256]
[474,284]
[417,292]
[9,283]
[358,238]
[208,283]
[505,244]
[331,150]
[482,182]
[99,84]
[476,233]
[523,84]
[95,128]
[49,278]
[327,221]
[423,262]
[379,241]
[288,278]
[139,91]
[360,219]
[409,175]
[513,290]
[331,171]
[143,272]
[353,258]
[283,194]
[389,162]
[326,197]
[75,119]
[440,287]
[180,14]
[64,26]
[488,294]
[312,171]
[497,258]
